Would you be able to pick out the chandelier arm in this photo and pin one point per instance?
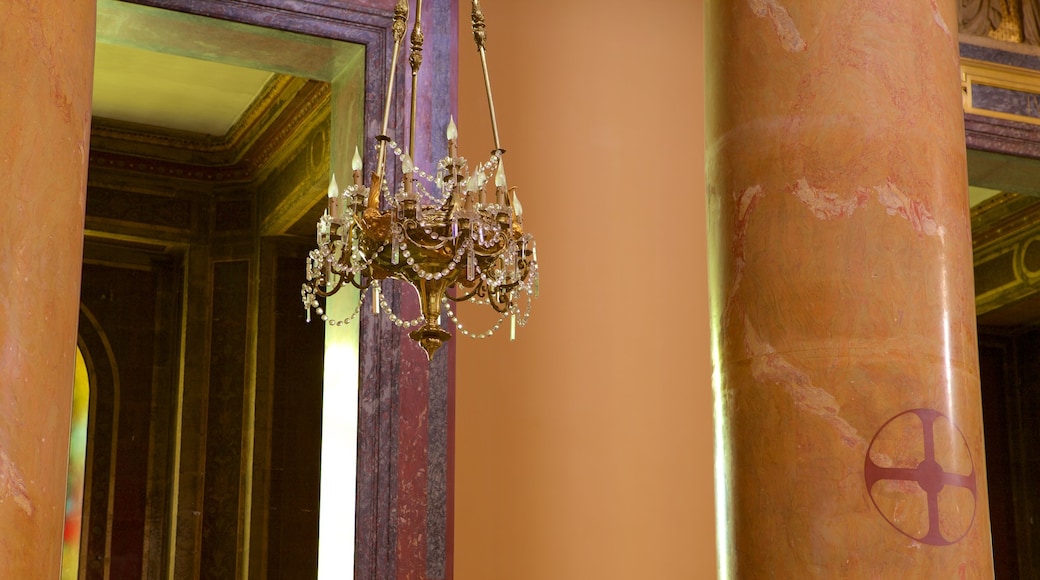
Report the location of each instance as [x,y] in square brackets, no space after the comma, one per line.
[509,286]
[355,281]
[431,248]
[490,251]
[480,36]
[525,268]
[399,25]
[500,301]
[466,296]
[322,282]
[418,244]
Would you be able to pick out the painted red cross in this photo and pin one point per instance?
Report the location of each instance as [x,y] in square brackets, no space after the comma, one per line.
[929,476]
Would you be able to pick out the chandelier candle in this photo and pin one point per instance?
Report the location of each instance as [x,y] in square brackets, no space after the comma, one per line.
[356,165]
[453,138]
[436,233]
[333,197]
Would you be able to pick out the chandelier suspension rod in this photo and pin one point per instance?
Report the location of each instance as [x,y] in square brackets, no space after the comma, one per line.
[416,61]
[400,23]
[480,36]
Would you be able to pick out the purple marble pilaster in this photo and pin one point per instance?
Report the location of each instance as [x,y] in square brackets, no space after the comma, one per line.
[404,460]
[377,489]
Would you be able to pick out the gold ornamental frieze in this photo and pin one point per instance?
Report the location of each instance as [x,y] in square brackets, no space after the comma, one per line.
[1000,91]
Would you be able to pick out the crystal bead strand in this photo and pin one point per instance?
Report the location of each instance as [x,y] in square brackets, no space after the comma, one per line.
[325,317]
[462,329]
[396,319]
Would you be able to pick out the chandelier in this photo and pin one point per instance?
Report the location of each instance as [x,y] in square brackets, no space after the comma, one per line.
[443,232]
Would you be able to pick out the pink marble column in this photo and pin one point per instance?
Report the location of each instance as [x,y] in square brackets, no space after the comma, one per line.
[46,60]
[849,424]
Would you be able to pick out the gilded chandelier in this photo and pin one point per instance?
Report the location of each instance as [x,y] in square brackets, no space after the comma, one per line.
[442,232]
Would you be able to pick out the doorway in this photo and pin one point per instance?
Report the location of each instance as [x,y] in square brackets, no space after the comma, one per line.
[196,237]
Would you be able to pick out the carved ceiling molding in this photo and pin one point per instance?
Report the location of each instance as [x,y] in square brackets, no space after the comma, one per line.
[123,163]
[287,107]
[311,108]
[116,136]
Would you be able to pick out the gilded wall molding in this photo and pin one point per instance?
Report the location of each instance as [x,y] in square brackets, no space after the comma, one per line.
[1000,91]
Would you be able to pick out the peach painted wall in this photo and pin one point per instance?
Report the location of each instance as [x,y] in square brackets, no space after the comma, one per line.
[592,456]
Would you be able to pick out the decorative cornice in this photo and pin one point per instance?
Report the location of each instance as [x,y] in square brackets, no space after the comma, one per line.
[310,108]
[287,106]
[131,164]
[159,142]
[109,134]
[277,95]
[1002,136]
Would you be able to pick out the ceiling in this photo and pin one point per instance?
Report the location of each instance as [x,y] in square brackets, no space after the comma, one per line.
[978,195]
[172,92]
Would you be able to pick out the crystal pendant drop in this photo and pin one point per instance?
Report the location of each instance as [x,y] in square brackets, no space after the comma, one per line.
[395,257]
[471,263]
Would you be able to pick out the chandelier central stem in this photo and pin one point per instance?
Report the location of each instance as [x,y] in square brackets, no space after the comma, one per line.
[416,62]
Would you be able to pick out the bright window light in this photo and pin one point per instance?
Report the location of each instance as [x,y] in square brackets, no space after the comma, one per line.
[77,462]
[339,441]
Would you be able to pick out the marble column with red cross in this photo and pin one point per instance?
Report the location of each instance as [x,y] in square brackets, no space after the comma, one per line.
[849,424]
